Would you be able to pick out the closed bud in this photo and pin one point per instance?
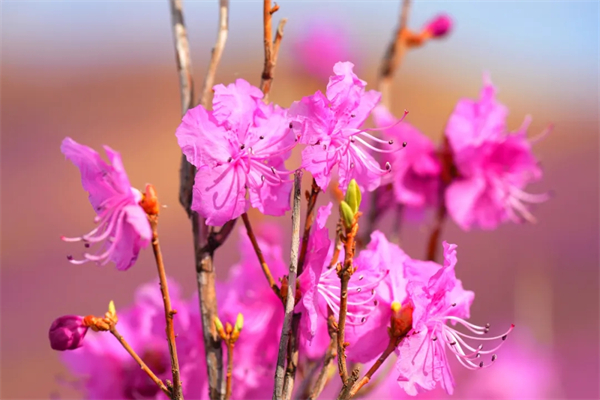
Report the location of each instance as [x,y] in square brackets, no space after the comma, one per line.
[347,214]
[67,333]
[219,327]
[439,27]
[150,201]
[353,196]
[239,323]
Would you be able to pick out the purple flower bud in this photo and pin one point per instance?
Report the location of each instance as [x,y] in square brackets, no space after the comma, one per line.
[439,26]
[67,332]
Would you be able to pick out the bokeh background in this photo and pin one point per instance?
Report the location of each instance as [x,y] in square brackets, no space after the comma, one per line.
[104,73]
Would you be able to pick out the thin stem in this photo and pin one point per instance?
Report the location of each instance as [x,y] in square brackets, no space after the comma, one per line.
[217,52]
[259,254]
[277,40]
[367,377]
[267,75]
[328,360]
[345,273]
[310,216]
[169,312]
[141,363]
[182,56]
[290,300]
[229,370]
[393,56]
[434,237]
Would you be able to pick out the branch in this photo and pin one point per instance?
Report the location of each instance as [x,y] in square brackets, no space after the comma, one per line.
[182,56]
[229,370]
[141,363]
[393,55]
[169,312]
[290,300]
[261,258]
[271,47]
[434,237]
[328,360]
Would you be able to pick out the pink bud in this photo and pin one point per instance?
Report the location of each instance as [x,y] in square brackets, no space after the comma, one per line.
[67,332]
[439,26]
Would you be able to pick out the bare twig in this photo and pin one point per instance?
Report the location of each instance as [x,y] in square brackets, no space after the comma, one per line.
[290,300]
[311,198]
[182,56]
[434,237]
[217,52]
[328,360]
[169,312]
[141,363]
[393,56]
[229,370]
[271,47]
[259,254]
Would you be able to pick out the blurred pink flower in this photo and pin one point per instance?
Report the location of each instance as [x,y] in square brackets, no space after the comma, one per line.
[123,225]
[107,371]
[67,333]
[329,125]
[438,297]
[240,145]
[439,26]
[493,165]
[416,170]
[322,44]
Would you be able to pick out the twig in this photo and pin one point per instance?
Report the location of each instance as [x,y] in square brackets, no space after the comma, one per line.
[205,241]
[290,300]
[141,363]
[393,55]
[169,312]
[261,258]
[271,47]
[217,52]
[229,370]
[292,357]
[327,361]
[345,272]
[434,237]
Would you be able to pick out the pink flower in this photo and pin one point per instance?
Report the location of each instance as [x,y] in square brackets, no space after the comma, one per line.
[493,165]
[240,145]
[67,333]
[416,170]
[438,297]
[329,125]
[107,371]
[320,285]
[123,227]
[439,26]
[321,45]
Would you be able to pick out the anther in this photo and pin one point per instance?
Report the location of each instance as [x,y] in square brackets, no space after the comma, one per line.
[229,159]
[352,140]
[487,325]
[453,304]
[324,147]
[262,178]
[352,115]
[481,364]
[404,144]
[69,257]
[434,338]
[494,357]
[376,302]
[358,290]
[391,142]
[452,343]
[242,147]
[360,278]
[273,171]
[504,337]
[351,165]
[363,319]
[372,291]
[87,245]
[388,166]
[261,137]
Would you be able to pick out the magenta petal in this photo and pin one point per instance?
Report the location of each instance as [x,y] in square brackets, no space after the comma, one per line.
[360,167]
[120,176]
[319,162]
[235,104]
[461,198]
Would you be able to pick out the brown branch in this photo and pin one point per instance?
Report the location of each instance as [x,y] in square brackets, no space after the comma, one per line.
[345,272]
[140,362]
[290,300]
[259,254]
[328,360]
[229,370]
[217,53]
[182,56]
[393,55]
[311,198]
[169,312]
[271,47]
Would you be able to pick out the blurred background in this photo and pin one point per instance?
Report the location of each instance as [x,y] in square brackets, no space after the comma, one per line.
[104,73]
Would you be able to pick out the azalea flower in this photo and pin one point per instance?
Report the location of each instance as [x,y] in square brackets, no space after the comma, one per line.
[437,298]
[493,166]
[123,227]
[329,124]
[238,147]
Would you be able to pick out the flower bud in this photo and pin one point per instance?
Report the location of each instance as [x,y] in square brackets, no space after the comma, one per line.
[353,196]
[150,201]
[219,327]
[440,26]
[347,214]
[401,320]
[239,323]
[67,333]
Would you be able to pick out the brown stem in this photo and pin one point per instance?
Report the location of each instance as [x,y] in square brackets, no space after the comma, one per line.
[141,363]
[393,56]
[328,360]
[434,237]
[310,216]
[259,254]
[277,40]
[229,370]
[290,300]
[267,75]
[345,273]
[182,56]
[169,312]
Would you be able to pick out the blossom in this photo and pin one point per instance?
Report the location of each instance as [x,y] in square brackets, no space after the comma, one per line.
[416,171]
[329,124]
[123,228]
[321,45]
[105,369]
[320,285]
[239,146]
[493,165]
[67,333]
[439,26]
[438,297]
